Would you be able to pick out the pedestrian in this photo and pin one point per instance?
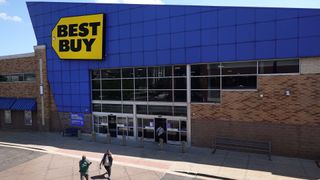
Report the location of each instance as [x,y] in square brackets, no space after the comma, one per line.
[160,133]
[106,161]
[84,167]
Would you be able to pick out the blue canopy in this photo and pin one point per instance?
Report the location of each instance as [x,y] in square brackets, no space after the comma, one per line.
[6,103]
[24,105]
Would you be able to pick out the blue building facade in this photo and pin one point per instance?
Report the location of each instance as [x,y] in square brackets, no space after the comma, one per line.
[154,35]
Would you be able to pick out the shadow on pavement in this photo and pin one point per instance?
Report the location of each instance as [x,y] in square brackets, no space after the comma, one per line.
[101,176]
[283,166]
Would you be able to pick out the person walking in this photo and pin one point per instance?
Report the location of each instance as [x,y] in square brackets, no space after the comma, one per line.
[84,167]
[106,161]
[160,134]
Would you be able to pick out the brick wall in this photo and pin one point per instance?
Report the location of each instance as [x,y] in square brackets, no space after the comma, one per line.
[291,122]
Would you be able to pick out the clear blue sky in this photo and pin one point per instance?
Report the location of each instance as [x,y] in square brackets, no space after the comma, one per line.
[17,36]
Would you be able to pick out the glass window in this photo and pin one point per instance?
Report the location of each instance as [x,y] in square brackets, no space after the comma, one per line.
[180,96]
[14,78]
[127,73]
[162,71]
[180,111]
[127,95]
[28,118]
[239,82]
[111,95]
[141,83]
[110,73]
[111,84]
[180,83]
[95,74]
[142,109]
[183,125]
[160,96]
[160,110]
[96,95]
[140,72]
[205,69]
[140,95]
[180,70]
[3,78]
[7,117]
[127,84]
[160,83]
[205,96]
[96,107]
[96,84]
[113,108]
[205,83]
[29,77]
[127,109]
[239,68]
[279,66]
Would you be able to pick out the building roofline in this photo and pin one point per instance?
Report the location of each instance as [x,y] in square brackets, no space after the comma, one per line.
[15,56]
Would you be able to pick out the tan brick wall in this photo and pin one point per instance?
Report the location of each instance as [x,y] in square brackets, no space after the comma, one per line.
[292,122]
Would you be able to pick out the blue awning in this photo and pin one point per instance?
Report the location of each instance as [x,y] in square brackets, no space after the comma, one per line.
[24,105]
[6,103]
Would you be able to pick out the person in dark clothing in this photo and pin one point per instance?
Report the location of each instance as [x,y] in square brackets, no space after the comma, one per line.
[106,161]
[84,166]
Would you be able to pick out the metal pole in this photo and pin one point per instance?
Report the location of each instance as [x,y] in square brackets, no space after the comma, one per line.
[189,104]
[41,92]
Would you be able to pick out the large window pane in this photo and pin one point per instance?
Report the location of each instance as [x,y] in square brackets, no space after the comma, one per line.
[180,83]
[142,109]
[160,83]
[127,84]
[113,108]
[95,74]
[279,66]
[140,72]
[162,71]
[127,95]
[3,78]
[141,83]
[205,83]
[111,95]
[160,96]
[127,109]
[141,95]
[96,107]
[110,73]
[239,68]
[160,110]
[111,84]
[205,96]
[180,96]
[96,84]
[96,95]
[180,70]
[127,73]
[205,69]
[239,82]
[180,111]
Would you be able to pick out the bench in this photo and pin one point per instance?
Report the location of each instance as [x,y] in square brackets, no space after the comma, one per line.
[242,145]
[71,131]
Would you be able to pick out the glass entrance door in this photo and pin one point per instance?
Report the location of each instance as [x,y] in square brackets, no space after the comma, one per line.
[163,123]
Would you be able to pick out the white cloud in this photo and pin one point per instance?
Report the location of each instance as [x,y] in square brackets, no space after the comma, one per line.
[2,1]
[131,1]
[6,17]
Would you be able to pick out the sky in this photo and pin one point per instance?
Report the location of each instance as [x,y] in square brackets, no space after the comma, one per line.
[17,35]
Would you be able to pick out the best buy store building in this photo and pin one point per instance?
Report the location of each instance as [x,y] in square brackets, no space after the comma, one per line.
[198,71]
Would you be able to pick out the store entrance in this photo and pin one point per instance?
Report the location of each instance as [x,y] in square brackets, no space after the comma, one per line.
[112,123]
[163,123]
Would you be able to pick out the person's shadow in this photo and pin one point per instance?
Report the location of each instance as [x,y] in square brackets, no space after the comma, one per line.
[100,176]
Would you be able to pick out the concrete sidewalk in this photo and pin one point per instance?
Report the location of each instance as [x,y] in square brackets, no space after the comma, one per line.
[196,163]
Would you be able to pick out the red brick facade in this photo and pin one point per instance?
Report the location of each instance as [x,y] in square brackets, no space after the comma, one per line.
[290,122]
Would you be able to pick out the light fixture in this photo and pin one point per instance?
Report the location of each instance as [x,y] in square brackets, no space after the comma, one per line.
[287,93]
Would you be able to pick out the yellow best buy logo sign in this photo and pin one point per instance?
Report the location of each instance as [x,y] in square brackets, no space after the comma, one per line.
[79,37]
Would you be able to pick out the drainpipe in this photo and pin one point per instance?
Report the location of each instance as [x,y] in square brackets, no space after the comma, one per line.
[41,93]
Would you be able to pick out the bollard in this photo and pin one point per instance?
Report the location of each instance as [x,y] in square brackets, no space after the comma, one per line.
[124,140]
[141,141]
[108,139]
[79,134]
[161,143]
[94,136]
[183,146]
